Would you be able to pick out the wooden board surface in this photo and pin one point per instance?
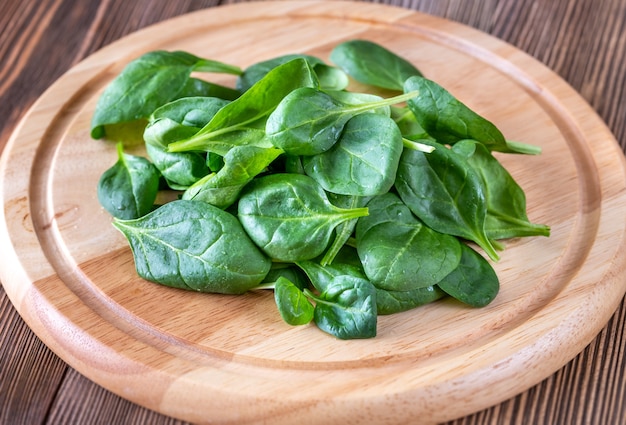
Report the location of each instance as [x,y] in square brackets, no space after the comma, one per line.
[231,359]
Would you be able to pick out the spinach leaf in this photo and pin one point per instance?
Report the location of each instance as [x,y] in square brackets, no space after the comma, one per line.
[331,78]
[181,118]
[445,193]
[183,244]
[256,72]
[249,112]
[180,169]
[448,120]
[293,164]
[294,307]
[346,309]
[196,87]
[322,276]
[289,216]
[344,230]
[473,282]
[129,188]
[398,252]
[358,98]
[506,201]
[193,112]
[214,161]
[391,302]
[364,160]
[146,83]
[309,121]
[370,63]
[289,271]
[241,165]
[407,123]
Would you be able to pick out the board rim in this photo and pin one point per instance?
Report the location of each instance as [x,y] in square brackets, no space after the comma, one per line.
[405,18]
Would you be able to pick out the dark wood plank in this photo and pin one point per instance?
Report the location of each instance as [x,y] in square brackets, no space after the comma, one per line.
[583,41]
[30,373]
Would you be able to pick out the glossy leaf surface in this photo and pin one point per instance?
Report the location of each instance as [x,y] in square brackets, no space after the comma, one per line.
[193,245]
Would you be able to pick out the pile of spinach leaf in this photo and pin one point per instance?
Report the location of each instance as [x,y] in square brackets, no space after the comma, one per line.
[348,205]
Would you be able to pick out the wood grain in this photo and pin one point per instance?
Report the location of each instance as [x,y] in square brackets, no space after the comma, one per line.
[542,29]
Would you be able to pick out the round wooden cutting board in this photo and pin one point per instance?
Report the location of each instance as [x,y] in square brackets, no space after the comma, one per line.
[230,359]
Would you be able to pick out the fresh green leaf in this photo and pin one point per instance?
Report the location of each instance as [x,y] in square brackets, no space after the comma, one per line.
[473,282]
[196,87]
[129,188]
[357,98]
[181,118]
[448,120]
[193,245]
[343,231]
[346,309]
[445,193]
[294,307]
[331,78]
[309,121]
[506,200]
[146,83]
[256,72]
[322,276]
[289,216]
[289,271]
[398,252]
[251,109]
[364,160]
[391,302]
[370,63]
[241,165]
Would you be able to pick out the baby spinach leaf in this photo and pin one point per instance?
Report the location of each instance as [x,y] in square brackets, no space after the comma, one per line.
[407,123]
[294,307]
[288,271]
[445,193]
[250,110]
[391,302]
[506,201]
[370,63]
[473,282]
[181,118]
[256,72]
[346,309]
[289,216]
[146,83]
[358,98]
[129,188]
[241,165]
[448,120]
[293,164]
[180,169]
[331,78]
[398,252]
[309,121]
[214,161]
[193,245]
[196,87]
[193,112]
[364,160]
[322,276]
[343,231]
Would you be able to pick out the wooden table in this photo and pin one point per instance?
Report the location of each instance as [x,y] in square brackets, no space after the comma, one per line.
[584,41]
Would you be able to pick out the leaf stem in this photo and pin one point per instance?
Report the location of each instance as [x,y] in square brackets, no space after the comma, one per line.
[263,286]
[384,102]
[524,148]
[421,147]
